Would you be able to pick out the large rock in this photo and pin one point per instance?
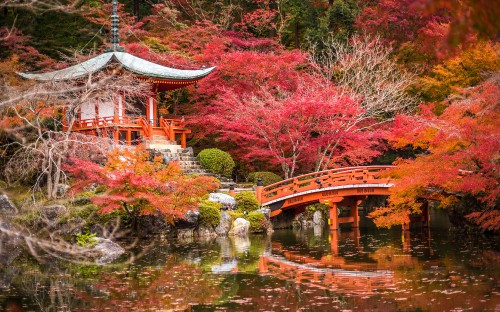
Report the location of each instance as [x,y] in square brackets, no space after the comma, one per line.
[191,220]
[50,214]
[10,244]
[240,227]
[204,231]
[224,225]
[108,249]
[318,218]
[6,204]
[226,200]
[184,234]
[268,226]
[149,225]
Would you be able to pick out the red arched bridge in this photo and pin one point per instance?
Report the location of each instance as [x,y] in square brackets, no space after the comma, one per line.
[345,187]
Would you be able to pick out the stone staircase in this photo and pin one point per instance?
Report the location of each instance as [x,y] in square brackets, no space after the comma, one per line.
[171,152]
[190,164]
[187,161]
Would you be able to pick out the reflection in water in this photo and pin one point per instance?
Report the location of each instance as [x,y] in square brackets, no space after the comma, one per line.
[311,270]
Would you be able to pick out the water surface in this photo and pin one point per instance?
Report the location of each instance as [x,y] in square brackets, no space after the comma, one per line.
[313,270]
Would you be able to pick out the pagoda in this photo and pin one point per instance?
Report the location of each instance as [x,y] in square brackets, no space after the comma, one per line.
[135,122]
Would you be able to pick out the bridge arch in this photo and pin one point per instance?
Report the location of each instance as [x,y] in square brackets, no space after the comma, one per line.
[336,187]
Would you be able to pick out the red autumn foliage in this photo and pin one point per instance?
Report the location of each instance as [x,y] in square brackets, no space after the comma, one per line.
[138,186]
[288,128]
[462,155]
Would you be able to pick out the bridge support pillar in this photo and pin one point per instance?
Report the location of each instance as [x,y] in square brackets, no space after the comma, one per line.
[333,220]
[334,217]
[426,217]
[334,242]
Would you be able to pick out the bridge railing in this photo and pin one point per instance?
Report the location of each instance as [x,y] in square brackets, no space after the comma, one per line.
[323,179]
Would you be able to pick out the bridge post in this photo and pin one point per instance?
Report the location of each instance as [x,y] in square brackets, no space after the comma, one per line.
[426,217]
[334,242]
[334,217]
[333,220]
[231,189]
[259,189]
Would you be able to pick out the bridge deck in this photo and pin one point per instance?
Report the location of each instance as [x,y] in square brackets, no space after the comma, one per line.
[317,186]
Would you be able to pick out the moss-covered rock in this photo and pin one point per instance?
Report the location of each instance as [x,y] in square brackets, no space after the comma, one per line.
[209,213]
[257,221]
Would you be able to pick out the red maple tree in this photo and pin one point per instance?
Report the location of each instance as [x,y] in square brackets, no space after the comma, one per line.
[138,186]
[461,157]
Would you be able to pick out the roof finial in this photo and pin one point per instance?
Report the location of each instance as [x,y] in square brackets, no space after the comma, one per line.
[114,27]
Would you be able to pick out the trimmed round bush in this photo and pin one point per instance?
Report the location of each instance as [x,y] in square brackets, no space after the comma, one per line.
[267,177]
[209,213]
[216,161]
[246,201]
[257,221]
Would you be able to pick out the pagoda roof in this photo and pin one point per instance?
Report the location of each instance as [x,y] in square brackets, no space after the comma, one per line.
[128,61]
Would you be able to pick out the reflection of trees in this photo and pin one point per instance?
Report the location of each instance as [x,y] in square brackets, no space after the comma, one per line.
[47,289]
[174,286]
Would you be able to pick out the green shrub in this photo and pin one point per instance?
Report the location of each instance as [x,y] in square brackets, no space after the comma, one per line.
[216,161]
[267,177]
[257,221]
[86,239]
[246,201]
[235,215]
[209,213]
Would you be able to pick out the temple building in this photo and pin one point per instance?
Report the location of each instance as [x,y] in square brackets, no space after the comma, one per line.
[128,121]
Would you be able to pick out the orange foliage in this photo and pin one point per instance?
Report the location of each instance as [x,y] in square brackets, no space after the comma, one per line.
[139,186]
[462,157]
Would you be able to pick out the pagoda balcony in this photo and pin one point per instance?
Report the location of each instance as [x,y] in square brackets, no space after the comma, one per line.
[131,130]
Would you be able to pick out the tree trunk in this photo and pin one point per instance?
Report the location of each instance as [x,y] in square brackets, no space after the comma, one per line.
[296,32]
[136,10]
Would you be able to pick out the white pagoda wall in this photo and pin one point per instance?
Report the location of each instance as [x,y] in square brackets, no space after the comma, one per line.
[88,110]
[106,109]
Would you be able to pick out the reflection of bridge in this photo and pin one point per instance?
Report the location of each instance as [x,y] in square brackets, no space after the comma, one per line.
[359,282]
[337,187]
[373,272]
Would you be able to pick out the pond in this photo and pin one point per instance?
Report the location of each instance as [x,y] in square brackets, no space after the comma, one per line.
[314,270]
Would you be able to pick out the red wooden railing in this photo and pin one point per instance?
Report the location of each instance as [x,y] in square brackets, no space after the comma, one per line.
[92,123]
[327,178]
[147,128]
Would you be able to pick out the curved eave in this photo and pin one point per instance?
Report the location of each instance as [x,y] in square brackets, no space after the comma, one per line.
[73,72]
[145,68]
[129,62]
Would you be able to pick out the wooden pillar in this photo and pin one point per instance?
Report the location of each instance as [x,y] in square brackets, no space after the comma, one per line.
[333,220]
[334,242]
[334,217]
[116,136]
[355,214]
[405,239]
[405,227]
[183,140]
[258,190]
[129,137]
[426,217]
